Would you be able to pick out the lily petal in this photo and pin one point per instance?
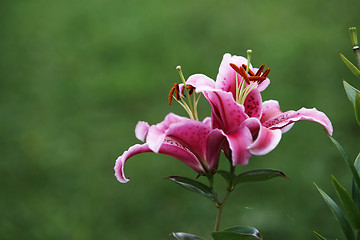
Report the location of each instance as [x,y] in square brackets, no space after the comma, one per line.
[192,135]
[214,143]
[284,119]
[170,148]
[239,141]
[228,113]
[141,130]
[119,164]
[253,104]
[226,78]
[201,82]
[265,139]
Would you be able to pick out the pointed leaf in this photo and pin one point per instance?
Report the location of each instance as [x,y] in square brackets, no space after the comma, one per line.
[194,186]
[357,107]
[349,206]
[237,233]
[351,66]
[319,236]
[344,223]
[355,188]
[186,236]
[258,175]
[350,92]
[348,161]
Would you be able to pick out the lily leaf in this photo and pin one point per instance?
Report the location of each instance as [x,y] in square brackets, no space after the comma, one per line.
[351,66]
[186,236]
[258,175]
[194,186]
[355,188]
[339,214]
[350,92]
[349,206]
[348,161]
[319,236]
[357,107]
[237,233]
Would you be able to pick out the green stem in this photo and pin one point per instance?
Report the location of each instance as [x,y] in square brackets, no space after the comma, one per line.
[221,205]
[220,209]
[357,55]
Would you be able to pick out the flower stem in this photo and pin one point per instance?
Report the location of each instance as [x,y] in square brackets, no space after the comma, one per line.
[220,205]
[220,209]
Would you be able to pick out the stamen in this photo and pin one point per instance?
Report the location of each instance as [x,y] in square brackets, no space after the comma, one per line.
[190,88]
[251,73]
[257,78]
[171,93]
[266,72]
[174,90]
[259,71]
[240,71]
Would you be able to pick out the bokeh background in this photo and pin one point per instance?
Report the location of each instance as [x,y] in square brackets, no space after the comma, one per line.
[76,76]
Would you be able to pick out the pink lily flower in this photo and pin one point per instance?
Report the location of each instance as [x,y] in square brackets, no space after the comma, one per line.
[251,126]
[193,142]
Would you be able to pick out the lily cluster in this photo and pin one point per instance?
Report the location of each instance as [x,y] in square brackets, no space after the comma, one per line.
[240,124]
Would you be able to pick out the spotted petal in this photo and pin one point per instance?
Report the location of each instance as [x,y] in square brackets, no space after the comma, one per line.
[226,112]
[280,120]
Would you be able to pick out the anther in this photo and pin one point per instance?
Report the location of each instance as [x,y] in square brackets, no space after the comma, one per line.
[241,71]
[174,89]
[190,88]
[251,73]
[259,71]
[266,73]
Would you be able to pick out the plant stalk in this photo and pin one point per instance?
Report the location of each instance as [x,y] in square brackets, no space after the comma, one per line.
[220,209]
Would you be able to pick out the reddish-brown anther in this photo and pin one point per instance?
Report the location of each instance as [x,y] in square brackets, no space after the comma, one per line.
[174,90]
[241,71]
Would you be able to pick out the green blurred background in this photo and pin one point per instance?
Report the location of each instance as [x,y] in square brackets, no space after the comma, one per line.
[76,76]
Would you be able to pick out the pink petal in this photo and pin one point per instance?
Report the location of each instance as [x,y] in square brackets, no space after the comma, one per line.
[214,143]
[270,109]
[263,85]
[289,117]
[201,82]
[192,135]
[265,139]
[141,130]
[119,164]
[156,133]
[226,112]
[253,104]
[170,148]
[239,141]
[226,78]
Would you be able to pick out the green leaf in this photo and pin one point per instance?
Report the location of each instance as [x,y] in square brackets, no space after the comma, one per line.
[355,188]
[186,236]
[348,161]
[258,175]
[237,233]
[194,186]
[349,206]
[357,107]
[350,92]
[344,223]
[319,236]
[351,66]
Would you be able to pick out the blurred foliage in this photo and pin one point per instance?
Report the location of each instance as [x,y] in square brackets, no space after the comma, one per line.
[76,76]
